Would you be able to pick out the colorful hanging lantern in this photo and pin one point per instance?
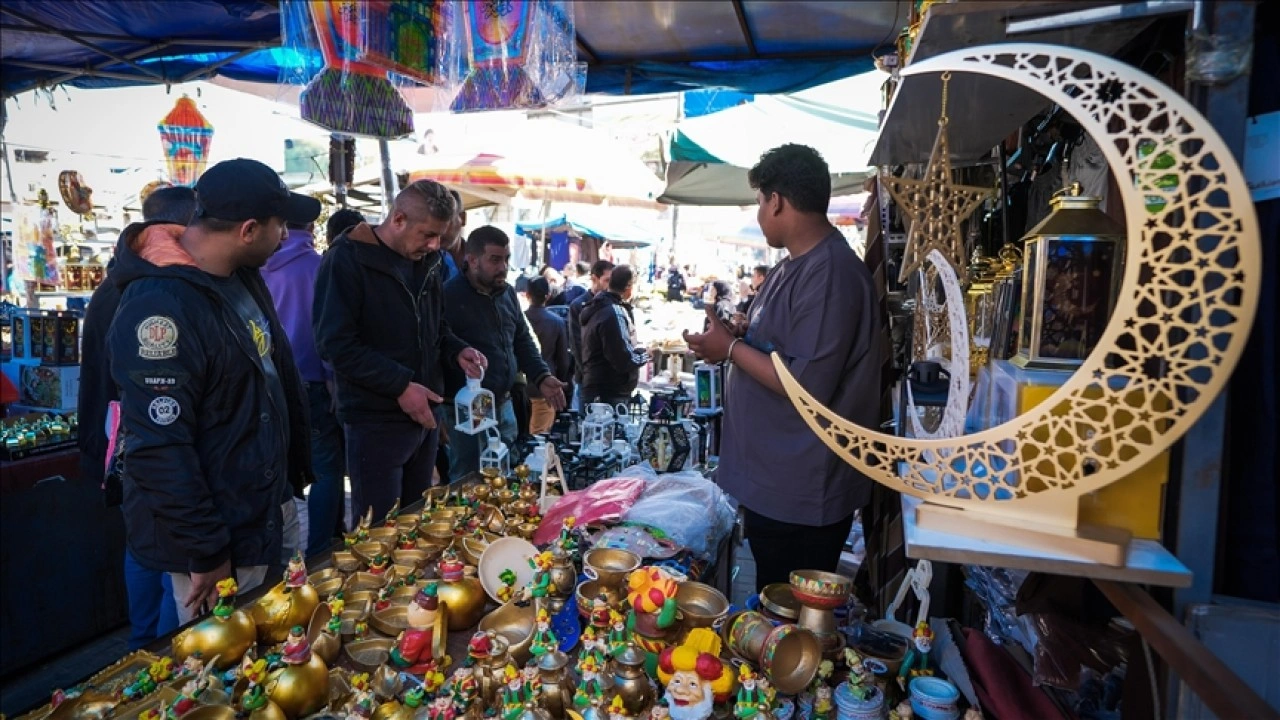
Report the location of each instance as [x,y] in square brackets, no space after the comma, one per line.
[185,135]
[520,54]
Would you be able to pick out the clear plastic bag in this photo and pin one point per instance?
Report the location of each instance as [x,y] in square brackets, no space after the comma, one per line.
[690,509]
[997,590]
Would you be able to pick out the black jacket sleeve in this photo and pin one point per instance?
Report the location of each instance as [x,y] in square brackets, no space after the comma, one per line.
[561,363]
[615,340]
[336,311]
[97,389]
[528,357]
[160,400]
[450,344]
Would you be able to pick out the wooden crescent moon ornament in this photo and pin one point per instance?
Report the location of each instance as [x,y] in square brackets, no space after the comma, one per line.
[1187,299]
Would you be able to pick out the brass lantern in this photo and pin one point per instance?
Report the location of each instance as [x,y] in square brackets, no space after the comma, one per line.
[1071,260]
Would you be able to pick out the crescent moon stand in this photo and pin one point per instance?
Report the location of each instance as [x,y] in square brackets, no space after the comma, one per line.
[1187,299]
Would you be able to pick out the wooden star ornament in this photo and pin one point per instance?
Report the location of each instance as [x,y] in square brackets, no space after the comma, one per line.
[936,207]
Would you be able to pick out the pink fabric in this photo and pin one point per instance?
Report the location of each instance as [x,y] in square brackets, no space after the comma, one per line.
[606,501]
[112,429]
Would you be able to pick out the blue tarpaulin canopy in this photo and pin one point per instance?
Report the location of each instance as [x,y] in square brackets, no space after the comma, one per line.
[619,236]
[630,46]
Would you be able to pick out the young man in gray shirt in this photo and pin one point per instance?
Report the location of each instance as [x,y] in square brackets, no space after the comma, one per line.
[817,309]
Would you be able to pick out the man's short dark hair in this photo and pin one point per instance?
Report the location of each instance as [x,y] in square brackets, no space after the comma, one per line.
[600,267]
[797,173]
[581,268]
[174,204]
[457,201]
[620,278]
[340,222]
[426,199]
[218,225]
[761,270]
[538,290]
[482,237]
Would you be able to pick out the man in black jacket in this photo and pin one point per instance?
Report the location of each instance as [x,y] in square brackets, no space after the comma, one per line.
[213,430]
[553,340]
[611,361]
[600,272]
[379,321]
[152,612]
[484,309]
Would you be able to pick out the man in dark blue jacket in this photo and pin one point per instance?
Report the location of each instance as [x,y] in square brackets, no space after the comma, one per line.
[152,612]
[214,430]
[484,309]
[380,322]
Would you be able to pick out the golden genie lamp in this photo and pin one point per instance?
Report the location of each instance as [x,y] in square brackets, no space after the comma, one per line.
[287,605]
[301,687]
[226,635]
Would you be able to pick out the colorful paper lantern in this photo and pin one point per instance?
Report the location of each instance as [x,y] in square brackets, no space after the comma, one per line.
[185,135]
[519,54]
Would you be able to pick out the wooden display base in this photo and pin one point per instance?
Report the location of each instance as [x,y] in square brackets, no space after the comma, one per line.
[1104,545]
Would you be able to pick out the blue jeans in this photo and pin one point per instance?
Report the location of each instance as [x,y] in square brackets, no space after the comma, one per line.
[389,461]
[464,449]
[152,611]
[328,462]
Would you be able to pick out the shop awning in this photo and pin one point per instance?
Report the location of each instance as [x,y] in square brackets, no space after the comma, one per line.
[710,154]
[620,236]
[632,47]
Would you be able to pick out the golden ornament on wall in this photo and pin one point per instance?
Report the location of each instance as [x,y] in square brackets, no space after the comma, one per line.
[1186,302]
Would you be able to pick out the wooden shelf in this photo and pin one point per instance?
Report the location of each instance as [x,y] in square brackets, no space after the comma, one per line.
[1148,563]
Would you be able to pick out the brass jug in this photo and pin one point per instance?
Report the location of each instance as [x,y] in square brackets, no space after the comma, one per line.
[631,683]
[558,684]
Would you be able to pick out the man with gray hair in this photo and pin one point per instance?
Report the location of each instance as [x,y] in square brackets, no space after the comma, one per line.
[379,321]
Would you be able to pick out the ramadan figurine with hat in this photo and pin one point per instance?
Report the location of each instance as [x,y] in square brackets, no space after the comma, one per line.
[694,676]
[418,647]
[513,695]
[591,687]
[544,640]
[751,697]
[619,636]
[919,659]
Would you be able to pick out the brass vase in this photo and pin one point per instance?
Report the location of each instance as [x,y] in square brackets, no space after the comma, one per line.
[631,683]
[300,690]
[282,609]
[464,600]
[558,684]
[226,639]
[564,577]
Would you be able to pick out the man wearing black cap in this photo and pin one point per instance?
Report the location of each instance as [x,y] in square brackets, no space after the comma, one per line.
[213,418]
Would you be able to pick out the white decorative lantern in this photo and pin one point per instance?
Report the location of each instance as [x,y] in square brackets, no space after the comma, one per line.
[622,451]
[597,430]
[476,408]
[709,384]
[496,457]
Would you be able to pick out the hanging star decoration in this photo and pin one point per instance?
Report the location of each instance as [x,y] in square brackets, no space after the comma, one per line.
[935,205]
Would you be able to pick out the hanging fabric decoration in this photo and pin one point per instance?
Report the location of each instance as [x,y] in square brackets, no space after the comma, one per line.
[520,54]
[35,255]
[185,135]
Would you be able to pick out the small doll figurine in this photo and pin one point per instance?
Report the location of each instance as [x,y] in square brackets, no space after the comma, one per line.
[512,695]
[919,660]
[860,680]
[532,682]
[825,668]
[413,699]
[750,697]
[541,563]
[384,598]
[599,617]
[616,709]
[381,563]
[660,711]
[822,705]
[544,640]
[590,687]
[296,574]
[592,646]
[407,540]
[442,709]
[902,712]
[619,636]
[296,651]
[226,598]
[336,604]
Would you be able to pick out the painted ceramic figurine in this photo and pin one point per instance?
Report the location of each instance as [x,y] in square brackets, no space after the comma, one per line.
[861,685]
[541,564]
[919,660]
[619,636]
[751,697]
[465,691]
[450,566]
[823,708]
[590,687]
[380,564]
[693,675]
[415,647]
[566,541]
[512,695]
[296,574]
[660,711]
[651,593]
[599,617]
[296,649]
[442,709]
[532,681]
[902,712]
[592,646]
[507,590]
[616,709]
[408,540]
[544,640]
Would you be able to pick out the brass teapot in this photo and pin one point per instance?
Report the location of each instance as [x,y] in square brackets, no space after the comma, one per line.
[558,684]
[631,683]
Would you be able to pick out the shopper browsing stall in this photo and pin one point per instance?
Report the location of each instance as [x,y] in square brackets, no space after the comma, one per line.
[600,272]
[213,416]
[611,360]
[484,310]
[152,611]
[380,322]
[817,310]
[553,340]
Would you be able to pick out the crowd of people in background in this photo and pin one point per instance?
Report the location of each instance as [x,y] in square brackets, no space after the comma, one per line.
[232,366]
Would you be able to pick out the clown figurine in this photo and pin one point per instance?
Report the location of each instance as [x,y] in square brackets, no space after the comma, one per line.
[660,710]
[823,708]
[415,650]
[919,660]
[296,574]
[384,598]
[532,682]
[592,646]
[544,640]
[750,696]
[296,651]
[566,540]
[451,568]
[590,688]
[541,585]
[465,692]
[600,615]
[694,676]
[512,695]
[619,636]
[442,709]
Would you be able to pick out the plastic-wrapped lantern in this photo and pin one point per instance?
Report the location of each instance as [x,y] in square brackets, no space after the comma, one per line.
[496,457]
[185,135]
[476,408]
[519,54]
[597,430]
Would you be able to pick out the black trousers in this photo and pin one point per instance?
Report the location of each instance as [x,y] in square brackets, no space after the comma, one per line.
[781,547]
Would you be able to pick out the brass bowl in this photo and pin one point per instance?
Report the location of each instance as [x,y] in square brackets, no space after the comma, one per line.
[790,658]
[346,561]
[211,712]
[357,598]
[390,620]
[818,589]
[505,498]
[364,581]
[515,624]
[439,531]
[385,535]
[447,514]
[407,522]
[368,655]
[589,590]
[415,559]
[610,565]
[526,530]
[472,549]
[700,605]
[326,588]
[778,599]
[480,492]
[366,551]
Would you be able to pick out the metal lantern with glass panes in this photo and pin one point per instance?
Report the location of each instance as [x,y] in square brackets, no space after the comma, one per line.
[708,379]
[496,456]
[622,453]
[1072,261]
[597,430]
[475,407]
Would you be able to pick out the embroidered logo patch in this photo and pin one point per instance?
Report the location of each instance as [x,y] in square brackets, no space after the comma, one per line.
[157,338]
[164,410]
[261,339]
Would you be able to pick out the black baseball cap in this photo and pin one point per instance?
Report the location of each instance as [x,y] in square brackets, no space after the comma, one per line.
[244,189]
